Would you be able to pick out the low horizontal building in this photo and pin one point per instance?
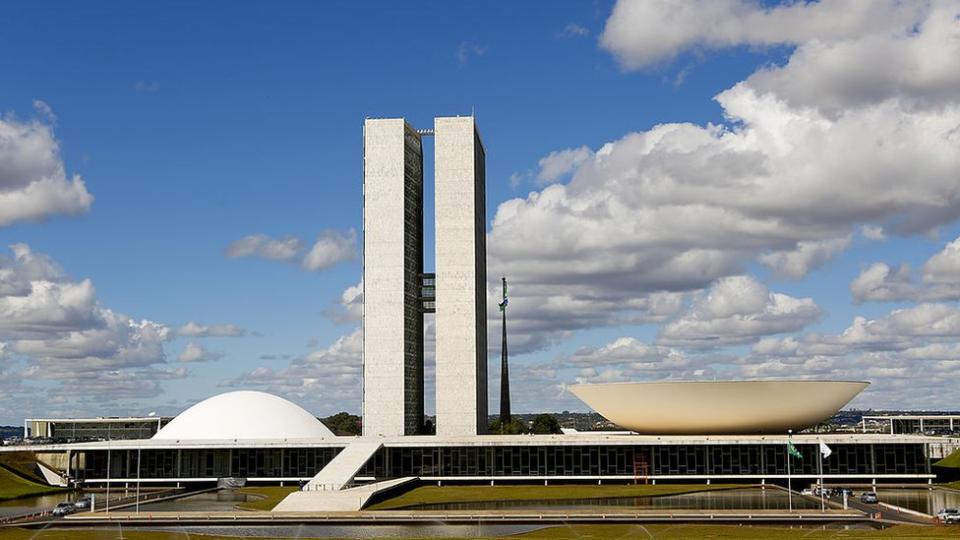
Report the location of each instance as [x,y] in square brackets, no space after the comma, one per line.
[94,429]
[936,424]
[583,456]
[263,438]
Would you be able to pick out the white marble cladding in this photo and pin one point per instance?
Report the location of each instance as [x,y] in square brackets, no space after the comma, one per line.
[460,340]
[383,277]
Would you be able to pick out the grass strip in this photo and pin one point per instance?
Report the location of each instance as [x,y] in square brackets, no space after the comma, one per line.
[952,461]
[683,531]
[13,486]
[586,532]
[461,494]
[268,496]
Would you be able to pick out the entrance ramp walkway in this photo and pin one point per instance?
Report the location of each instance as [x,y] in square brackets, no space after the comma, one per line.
[340,472]
[345,500]
[330,489]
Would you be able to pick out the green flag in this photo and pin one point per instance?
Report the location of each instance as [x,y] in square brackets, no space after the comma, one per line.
[792,451]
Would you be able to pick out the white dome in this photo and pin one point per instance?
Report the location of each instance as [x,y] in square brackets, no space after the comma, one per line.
[244,415]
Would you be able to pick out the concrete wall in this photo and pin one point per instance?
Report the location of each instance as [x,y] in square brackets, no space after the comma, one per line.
[392,262]
[461,357]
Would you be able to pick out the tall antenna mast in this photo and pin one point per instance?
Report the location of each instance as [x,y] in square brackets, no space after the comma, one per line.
[504,367]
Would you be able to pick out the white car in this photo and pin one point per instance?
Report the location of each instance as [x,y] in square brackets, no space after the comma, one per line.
[949,515]
[64,509]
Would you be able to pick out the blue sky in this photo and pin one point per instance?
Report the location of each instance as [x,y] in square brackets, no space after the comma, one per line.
[196,125]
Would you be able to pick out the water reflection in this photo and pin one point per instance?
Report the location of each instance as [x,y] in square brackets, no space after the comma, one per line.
[733,499]
[224,500]
[25,505]
[922,500]
[438,530]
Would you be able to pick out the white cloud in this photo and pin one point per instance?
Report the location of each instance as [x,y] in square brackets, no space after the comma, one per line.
[939,280]
[44,110]
[33,181]
[192,329]
[574,30]
[643,33]
[194,352]
[467,50]
[54,329]
[872,232]
[808,254]
[326,380]
[330,248]
[261,245]
[560,163]
[738,309]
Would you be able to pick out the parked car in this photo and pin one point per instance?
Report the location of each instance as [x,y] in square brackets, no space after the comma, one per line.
[807,491]
[869,497]
[64,508]
[949,515]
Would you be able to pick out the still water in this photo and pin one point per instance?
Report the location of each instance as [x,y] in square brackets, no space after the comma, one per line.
[731,499]
[26,505]
[224,500]
[922,500]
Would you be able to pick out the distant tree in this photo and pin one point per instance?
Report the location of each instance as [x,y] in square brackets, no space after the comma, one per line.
[544,424]
[515,427]
[343,424]
[428,428]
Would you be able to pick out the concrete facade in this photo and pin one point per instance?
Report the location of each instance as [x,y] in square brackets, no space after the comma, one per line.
[461,314]
[392,269]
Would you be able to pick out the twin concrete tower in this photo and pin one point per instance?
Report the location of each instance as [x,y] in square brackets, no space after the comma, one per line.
[397,292]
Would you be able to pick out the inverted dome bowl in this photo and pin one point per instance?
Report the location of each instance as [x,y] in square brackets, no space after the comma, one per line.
[718,407]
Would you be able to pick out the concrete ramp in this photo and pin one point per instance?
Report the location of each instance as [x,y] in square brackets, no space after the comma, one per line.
[340,472]
[330,491]
[345,500]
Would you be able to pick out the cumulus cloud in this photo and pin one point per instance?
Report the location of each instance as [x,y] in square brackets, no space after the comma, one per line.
[34,184]
[796,263]
[738,309]
[330,248]
[784,181]
[194,352]
[560,163]
[643,33]
[261,245]
[54,329]
[574,30]
[192,329]
[350,305]
[906,349]
[939,279]
[326,380]
[467,50]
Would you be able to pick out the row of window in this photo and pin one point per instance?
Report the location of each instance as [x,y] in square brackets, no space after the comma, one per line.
[746,460]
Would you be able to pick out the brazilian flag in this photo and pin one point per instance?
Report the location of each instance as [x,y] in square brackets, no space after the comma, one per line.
[792,451]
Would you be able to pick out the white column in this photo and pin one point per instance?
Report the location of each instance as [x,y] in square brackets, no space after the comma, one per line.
[461,318]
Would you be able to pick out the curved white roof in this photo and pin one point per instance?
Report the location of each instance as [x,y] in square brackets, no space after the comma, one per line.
[244,415]
[718,407]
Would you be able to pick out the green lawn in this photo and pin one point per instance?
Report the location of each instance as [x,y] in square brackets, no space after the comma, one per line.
[953,485]
[682,531]
[604,532]
[270,496]
[23,464]
[457,494]
[952,461]
[13,486]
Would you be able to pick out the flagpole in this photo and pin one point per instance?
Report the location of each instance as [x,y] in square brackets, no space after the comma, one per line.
[789,483]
